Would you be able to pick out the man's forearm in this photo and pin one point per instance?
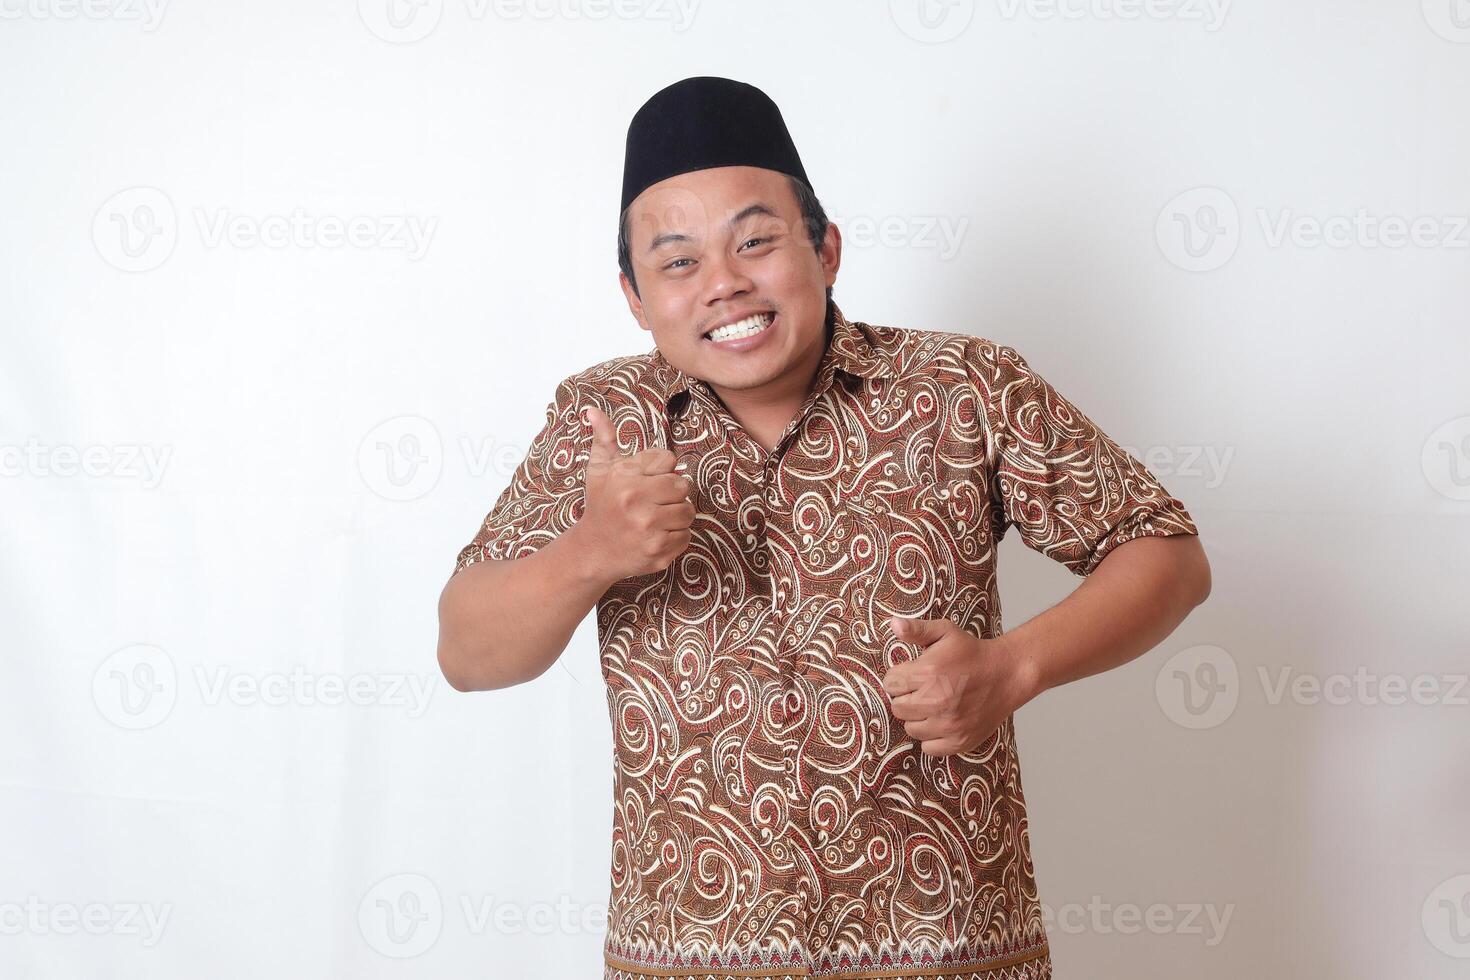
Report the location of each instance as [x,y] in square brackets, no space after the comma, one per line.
[1134,598]
[505,622]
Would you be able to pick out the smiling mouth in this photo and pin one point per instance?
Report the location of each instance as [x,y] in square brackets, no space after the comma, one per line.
[748,327]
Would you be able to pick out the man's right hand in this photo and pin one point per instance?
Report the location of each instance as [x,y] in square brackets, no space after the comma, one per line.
[637,511]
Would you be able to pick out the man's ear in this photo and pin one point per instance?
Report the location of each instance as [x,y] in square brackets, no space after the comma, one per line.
[635,305]
[831,252]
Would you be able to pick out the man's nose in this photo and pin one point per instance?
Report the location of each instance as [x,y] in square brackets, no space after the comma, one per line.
[724,278]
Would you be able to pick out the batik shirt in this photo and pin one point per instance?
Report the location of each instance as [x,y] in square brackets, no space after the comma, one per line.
[771,817]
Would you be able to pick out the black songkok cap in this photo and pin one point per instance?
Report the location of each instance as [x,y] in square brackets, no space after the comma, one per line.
[702,122]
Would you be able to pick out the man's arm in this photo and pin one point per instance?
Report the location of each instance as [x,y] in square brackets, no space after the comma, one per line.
[1077,497]
[959,691]
[1135,597]
[504,621]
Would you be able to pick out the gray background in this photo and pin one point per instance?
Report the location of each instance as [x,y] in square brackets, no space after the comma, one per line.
[240,454]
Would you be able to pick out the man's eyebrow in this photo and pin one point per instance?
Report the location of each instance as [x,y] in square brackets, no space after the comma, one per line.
[749,210]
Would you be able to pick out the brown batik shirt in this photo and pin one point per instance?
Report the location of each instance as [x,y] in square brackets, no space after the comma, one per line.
[771,817]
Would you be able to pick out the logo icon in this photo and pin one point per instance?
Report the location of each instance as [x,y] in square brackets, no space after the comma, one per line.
[402,458]
[401,916]
[1198,687]
[1450,19]
[400,21]
[932,21]
[1199,230]
[136,687]
[1446,458]
[135,230]
[1446,917]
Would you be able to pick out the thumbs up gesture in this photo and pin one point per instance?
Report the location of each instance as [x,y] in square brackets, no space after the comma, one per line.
[637,511]
[960,689]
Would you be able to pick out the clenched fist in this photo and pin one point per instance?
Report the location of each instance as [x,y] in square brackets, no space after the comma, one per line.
[636,512]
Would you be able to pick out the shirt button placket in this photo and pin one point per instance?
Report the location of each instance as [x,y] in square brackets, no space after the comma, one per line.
[774,509]
[772,501]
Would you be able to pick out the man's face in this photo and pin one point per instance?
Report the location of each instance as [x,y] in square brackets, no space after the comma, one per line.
[716,245]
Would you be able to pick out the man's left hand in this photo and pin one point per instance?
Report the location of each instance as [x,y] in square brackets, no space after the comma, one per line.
[960,688]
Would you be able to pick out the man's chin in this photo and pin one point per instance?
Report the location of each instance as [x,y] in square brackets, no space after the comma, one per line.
[734,379]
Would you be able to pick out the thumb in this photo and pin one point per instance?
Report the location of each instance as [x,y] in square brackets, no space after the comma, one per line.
[919,631]
[604,441]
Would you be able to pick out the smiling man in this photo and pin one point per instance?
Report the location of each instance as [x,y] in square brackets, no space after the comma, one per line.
[787,523]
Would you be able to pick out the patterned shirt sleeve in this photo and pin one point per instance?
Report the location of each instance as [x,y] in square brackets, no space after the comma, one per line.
[1072,492]
[544,496]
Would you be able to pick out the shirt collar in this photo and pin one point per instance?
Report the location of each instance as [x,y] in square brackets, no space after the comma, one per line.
[850,350]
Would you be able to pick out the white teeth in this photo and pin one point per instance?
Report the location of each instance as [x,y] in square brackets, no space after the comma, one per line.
[745,328]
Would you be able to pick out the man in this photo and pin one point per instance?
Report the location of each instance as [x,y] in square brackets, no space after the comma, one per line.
[787,522]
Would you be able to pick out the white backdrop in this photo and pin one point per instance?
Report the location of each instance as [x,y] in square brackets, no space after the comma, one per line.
[285,288]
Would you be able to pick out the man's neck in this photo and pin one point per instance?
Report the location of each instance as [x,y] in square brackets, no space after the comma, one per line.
[765,412]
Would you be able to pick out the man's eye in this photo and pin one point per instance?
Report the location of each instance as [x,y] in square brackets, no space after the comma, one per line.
[675,263]
[749,240]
